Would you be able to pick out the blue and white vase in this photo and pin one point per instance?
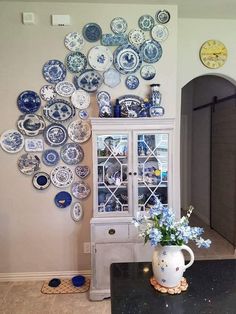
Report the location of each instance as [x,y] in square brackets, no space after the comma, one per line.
[155,95]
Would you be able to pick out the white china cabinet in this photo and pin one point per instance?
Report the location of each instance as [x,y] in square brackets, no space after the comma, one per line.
[132,166]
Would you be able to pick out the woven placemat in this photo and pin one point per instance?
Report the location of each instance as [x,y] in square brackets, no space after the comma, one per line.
[66,286]
[182,286]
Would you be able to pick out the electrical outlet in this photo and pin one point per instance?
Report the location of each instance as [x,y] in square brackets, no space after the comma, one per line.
[87,247]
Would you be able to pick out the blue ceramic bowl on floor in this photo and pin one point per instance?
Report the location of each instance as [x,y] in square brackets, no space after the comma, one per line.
[78,281]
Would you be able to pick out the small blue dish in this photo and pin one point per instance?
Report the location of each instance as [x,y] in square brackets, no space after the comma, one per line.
[55,282]
[63,199]
[78,281]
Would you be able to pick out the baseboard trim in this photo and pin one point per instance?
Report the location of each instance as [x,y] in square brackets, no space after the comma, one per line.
[38,276]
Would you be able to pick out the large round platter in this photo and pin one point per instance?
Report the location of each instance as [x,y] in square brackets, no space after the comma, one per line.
[82,171]
[160,32]
[47,92]
[132,82]
[119,25]
[74,41]
[72,153]
[63,199]
[12,141]
[100,58]
[76,211]
[31,124]
[54,71]
[136,37]
[127,59]
[92,32]
[79,131]
[58,110]
[76,62]
[28,101]
[55,134]
[130,105]
[28,164]
[162,16]
[151,51]
[41,180]
[65,88]
[112,78]
[89,80]
[62,176]
[148,72]
[80,190]
[50,157]
[146,22]
[80,99]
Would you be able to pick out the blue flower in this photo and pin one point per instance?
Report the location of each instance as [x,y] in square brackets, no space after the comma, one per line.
[201,243]
[155,236]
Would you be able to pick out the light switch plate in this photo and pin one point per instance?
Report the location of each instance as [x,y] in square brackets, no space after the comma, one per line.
[28,18]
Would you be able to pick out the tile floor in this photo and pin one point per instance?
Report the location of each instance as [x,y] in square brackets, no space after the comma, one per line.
[26,298]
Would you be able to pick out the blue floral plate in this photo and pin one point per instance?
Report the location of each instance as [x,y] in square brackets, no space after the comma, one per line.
[76,62]
[54,71]
[151,51]
[50,157]
[127,59]
[59,110]
[55,134]
[92,32]
[28,101]
[132,82]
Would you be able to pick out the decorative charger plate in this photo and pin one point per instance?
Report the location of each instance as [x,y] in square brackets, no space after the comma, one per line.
[82,171]
[47,92]
[28,101]
[58,110]
[146,22]
[63,199]
[76,211]
[100,58]
[136,37]
[31,124]
[132,82]
[62,176]
[28,163]
[130,105]
[160,32]
[148,72]
[79,131]
[54,71]
[12,141]
[80,190]
[65,88]
[50,157]
[118,25]
[76,62]
[127,59]
[74,41]
[72,153]
[162,16]
[80,99]
[89,80]
[92,32]
[151,51]
[55,134]
[112,78]
[41,180]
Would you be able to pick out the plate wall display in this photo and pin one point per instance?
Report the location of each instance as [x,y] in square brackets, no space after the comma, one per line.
[74,41]
[162,16]
[76,62]
[62,176]
[80,99]
[12,141]
[80,190]
[34,145]
[28,101]
[79,131]
[58,110]
[55,134]
[63,199]
[31,124]
[160,32]
[130,105]
[76,211]
[54,71]
[148,72]
[132,82]
[72,153]
[146,22]
[82,171]
[89,80]
[92,32]
[50,157]
[83,114]
[41,180]
[100,58]
[127,59]
[65,88]
[151,51]
[47,92]
[114,39]
[119,25]
[136,37]
[28,163]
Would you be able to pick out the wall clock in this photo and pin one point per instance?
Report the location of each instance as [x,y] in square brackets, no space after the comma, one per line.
[213,54]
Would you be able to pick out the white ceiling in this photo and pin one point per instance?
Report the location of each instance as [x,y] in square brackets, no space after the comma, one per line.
[222,9]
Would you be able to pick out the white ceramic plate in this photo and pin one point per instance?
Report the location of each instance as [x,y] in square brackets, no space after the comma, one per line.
[80,99]
[136,37]
[74,41]
[76,211]
[100,58]
[80,190]
[118,25]
[79,131]
[65,88]
[28,164]
[160,32]
[62,176]
[47,92]
[12,141]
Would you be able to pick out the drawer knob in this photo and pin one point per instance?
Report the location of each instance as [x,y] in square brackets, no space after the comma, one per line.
[112,231]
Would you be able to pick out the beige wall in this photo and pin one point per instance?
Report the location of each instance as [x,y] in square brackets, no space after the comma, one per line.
[35,235]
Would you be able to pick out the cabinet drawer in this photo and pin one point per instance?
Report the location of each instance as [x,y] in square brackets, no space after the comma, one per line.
[111,233]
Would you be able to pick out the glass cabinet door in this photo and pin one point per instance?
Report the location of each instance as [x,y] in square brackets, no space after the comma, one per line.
[152,162]
[112,168]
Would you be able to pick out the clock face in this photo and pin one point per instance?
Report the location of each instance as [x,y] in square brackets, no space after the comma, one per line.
[213,54]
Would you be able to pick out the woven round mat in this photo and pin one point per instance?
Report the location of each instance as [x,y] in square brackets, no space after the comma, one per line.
[182,286]
[66,286]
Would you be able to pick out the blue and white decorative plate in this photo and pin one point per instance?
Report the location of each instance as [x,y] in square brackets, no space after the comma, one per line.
[47,92]
[148,72]
[130,105]
[82,171]
[160,32]
[136,37]
[127,59]
[28,163]
[83,114]
[92,32]
[55,134]
[65,88]
[80,99]
[112,77]
[62,176]
[72,153]
[103,97]
[151,51]
[157,111]
[162,16]
[100,58]
[58,110]
[79,131]
[146,22]
[41,180]
[74,41]
[114,39]
[28,101]
[76,211]
[50,157]
[63,199]
[12,141]
[54,71]
[132,82]
[118,25]
[80,190]
[31,124]
[34,144]
[76,62]
[89,80]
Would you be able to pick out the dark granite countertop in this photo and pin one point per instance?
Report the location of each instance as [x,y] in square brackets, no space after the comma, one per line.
[212,289]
